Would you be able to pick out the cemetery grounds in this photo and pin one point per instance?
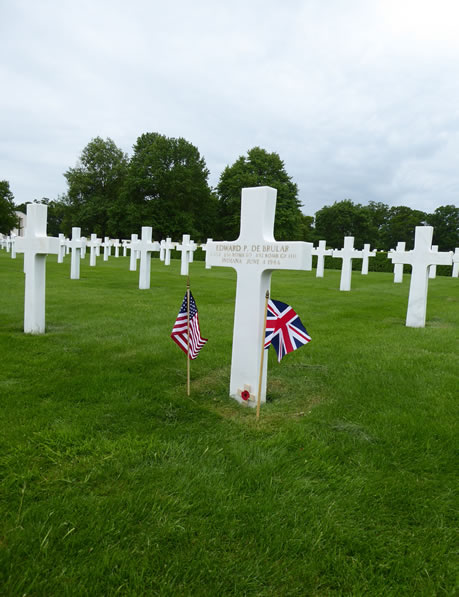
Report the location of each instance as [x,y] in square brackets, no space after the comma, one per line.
[113,482]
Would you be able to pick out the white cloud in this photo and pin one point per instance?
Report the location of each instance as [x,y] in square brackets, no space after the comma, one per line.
[360,99]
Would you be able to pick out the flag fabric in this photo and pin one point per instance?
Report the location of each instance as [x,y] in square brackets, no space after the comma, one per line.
[284,329]
[180,333]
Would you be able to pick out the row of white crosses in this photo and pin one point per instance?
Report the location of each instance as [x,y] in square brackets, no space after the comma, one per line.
[423,259]
[142,249]
[254,256]
[7,242]
[347,254]
[145,246]
[77,244]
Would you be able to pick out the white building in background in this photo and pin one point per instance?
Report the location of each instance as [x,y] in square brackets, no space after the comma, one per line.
[19,231]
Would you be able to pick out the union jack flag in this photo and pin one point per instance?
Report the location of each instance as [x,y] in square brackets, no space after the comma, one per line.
[284,329]
[180,330]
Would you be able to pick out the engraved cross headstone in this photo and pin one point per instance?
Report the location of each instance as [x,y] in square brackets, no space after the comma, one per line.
[62,243]
[204,248]
[133,255]
[13,246]
[347,254]
[162,249]
[167,250]
[321,251]
[366,254]
[420,258]
[145,247]
[254,255]
[186,248]
[35,245]
[433,268]
[107,244]
[398,267]
[76,244]
[94,249]
[116,243]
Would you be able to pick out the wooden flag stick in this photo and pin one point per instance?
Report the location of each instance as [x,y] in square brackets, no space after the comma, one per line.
[262,354]
[188,336]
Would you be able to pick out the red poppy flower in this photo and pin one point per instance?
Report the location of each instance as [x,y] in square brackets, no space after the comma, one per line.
[245,395]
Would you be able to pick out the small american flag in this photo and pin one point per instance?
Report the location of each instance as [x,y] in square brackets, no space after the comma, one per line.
[284,329]
[179,331]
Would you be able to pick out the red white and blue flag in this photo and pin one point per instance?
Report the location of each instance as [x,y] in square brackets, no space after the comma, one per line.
[180,330]
[284,329]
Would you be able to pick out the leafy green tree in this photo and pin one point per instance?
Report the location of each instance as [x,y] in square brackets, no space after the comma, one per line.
[308,232]
[167,188]
[400,226]
[343,218]
[259,168]
[445,221]
[8,219]
[94,188]
[378,214]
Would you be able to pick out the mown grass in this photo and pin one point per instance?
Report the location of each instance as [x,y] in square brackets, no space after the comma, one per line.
[113,482]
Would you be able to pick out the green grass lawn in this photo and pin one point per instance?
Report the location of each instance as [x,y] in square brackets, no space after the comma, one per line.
[113,482]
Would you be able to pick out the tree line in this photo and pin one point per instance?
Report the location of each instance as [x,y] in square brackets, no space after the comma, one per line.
[164,184]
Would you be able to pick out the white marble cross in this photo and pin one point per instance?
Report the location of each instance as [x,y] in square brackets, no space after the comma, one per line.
[35,245]
[133,255]
[398,267]
[76,244]
[366,253]
[162,249]
[116,244]
[167,250]
[204,248]
[433,268]
[13,246]
[186,249]
[420,258]
[62,248]
[94,245]
[321,251]
[347,254]
[455,272]
[145,247]
[107,244]
[254,256]
[125,244]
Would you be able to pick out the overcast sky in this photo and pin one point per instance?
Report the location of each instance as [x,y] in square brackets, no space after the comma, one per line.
[360,98]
